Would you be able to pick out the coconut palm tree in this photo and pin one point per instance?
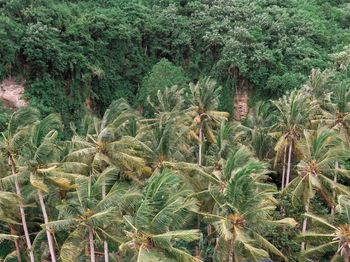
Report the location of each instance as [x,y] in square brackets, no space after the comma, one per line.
[242,204]
[105,144]
[319,153]
[229,136]
[293,113]
[165,208]
[37,158]
[13,139]
[204,99]
[8,202]
[108,146]
[164,135]
[257,127]
[85,216]
[335,113]
[334,105]
[336,236]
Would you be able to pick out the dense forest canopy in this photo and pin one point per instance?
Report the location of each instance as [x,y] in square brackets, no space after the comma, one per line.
[131,148]
[73,53]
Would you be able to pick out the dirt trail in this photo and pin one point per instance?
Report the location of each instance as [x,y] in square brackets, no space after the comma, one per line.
[11,93]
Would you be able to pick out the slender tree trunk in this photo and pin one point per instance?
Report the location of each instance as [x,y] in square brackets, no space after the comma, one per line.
[197,251]
[18,250]
[200,145]
[105,243]
[335,181]
[305,222]
[284,167]
[284,180]
[46,220]
[91,239]
[23,216]
[232,255]
[289,162]
[346,253]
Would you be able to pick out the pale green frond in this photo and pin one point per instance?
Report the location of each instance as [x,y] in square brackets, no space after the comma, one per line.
[223,227]
[74,167]
[185,235]
[24,116]
[37,245]
[8,181]
[102,218]
[38,182]
[267,245]
[63,224]
[7,237]
[222,250]
[315,236]
[115,239]
[320,220]
[122,200]
[81,155]
[61,182]
[285,221]
[255,253]
[73,246]
[107,177]
[320,248]
[150,255]
[182,256]
[9,196]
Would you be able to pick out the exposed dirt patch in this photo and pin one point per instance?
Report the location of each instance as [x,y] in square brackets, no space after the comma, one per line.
[241,104]
[11,93]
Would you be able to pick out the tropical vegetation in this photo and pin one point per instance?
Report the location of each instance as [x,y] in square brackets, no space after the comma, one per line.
[129,148]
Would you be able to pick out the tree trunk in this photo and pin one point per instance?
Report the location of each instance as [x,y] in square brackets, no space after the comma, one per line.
[232,255]
[305,222]
[18,250]
[335,181]
[284,168]
[46,220]
[23,216]
[346,253]
[105,243]
[289,162]
[200,145]
[197,251]
[91,239]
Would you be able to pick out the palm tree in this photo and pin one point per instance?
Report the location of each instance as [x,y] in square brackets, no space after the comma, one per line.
[13,139]
[333,106]
[257,127]
[319,153]
[164,134]
[229,136]
[242,204]
[157,225]
[37,157]
[338,236]
[8,215]
[293,113]
[204,99]
[88,217]
[335,115]
[107,145]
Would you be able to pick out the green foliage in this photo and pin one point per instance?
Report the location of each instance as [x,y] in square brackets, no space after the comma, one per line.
[164,74]
[104,50]
[172,178]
